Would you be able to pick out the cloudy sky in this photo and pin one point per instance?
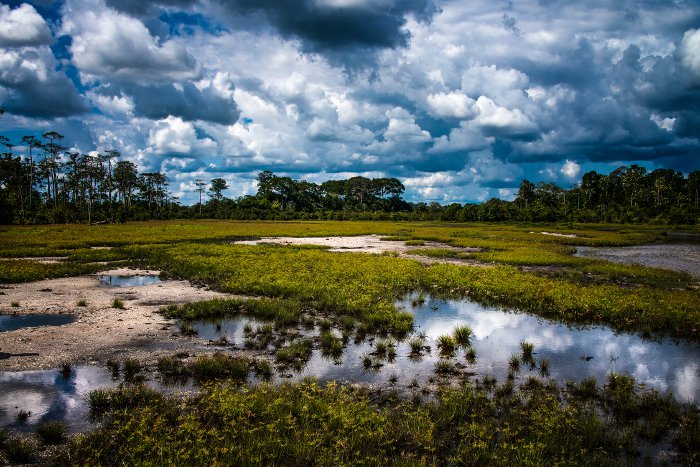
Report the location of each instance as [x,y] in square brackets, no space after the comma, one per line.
[460,100]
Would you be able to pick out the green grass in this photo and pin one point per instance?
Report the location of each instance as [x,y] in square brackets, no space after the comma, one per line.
[364,287]
[306,423]
[414,243]
[446,344]
[104,401]
[462,335]
[219,366]
[19,450]
[527,351]
[118,304]
[52,432]
[296,354]
[331,345]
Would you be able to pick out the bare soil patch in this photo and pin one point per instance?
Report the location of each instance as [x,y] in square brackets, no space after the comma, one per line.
[371,244]
[101,331]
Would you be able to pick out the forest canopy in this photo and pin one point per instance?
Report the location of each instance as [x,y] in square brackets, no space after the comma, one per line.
[46,184]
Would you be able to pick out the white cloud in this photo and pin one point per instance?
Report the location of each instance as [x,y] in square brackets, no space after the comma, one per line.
[23,27]
[467,137]
[403,127]
[689,52]
[116,106]
[492,115]
[570,169]
[451,105]
[493,82]
[173,136]
[109,44]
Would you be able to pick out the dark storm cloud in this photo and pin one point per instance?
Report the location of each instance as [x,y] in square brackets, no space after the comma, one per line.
[344,34]
[143,8]
[184,100]
[31,86]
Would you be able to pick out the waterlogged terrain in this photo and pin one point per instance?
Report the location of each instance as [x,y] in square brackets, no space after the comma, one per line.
[598,360]
[572,353]
[675,256]
[50,395]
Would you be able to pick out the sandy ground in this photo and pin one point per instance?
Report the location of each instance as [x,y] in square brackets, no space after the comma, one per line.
[371,244]
[100,332]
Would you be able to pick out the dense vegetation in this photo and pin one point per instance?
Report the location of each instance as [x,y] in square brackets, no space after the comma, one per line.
[46,184]
[308,424]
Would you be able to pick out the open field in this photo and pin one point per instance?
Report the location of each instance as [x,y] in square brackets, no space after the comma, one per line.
[316,295]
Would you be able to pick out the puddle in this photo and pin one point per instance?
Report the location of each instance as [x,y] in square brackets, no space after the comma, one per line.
[675,256]
[230,328]
[573,354]
[48,396]
[14,322]
[128,281]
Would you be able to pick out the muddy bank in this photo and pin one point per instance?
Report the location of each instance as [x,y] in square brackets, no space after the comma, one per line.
[101,332]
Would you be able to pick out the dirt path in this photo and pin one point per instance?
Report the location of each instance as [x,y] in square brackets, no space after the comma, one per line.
[100,332]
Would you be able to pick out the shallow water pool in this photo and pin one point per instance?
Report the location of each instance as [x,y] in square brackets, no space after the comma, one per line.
[683,257]
[129,281]
[14,322]
[572,353]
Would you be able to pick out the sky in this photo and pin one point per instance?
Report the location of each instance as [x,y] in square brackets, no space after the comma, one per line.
[460,100]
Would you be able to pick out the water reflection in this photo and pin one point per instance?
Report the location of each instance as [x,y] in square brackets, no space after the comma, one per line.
[676,256]
[231,329]
[128,281]
[14,322]
[573,353]
[50,396]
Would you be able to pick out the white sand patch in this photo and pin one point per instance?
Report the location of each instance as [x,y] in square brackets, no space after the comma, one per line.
[101,331]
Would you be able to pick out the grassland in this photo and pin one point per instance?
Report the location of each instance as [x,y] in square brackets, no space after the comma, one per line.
[530,271]
[480,422]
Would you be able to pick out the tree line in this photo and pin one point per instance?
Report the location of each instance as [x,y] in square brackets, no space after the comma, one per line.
[50,185]
[47,184]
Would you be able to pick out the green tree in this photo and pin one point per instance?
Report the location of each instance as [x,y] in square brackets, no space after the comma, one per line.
[217,186]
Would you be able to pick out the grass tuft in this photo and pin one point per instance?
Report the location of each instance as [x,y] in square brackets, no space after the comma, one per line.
[446,344]
[52,432]
[462,335]
[19,450]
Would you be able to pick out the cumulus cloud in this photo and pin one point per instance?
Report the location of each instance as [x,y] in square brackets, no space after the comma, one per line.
[500,121]
[108,44]
[451,105]
[31,86]
[462,102]
[402,128]
[570,169]
[175,137]
[23,27]
[689,52]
